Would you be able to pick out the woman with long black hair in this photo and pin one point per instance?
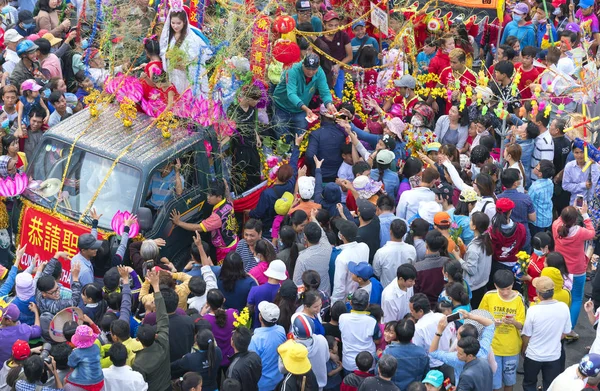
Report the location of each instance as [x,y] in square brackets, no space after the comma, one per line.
[221,321]
[204,360]
[234,282]
[477,261]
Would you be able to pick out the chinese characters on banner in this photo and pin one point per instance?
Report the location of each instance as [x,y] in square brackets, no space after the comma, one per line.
[260,47]
[45,235]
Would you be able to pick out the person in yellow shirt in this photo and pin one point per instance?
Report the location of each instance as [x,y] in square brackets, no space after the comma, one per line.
[120,332]
[560,293]
[508,309]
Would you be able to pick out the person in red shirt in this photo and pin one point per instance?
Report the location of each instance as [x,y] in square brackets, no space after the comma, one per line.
[529,73]
[438,63]
[541,247]
[457,77]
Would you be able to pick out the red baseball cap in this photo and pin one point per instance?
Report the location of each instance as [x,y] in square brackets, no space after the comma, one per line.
[330,15]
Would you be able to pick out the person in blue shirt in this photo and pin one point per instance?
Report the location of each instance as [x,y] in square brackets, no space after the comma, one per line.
[362,273]
[424,57]
[519,27]
[165,183]
[361,39]
[479,324]
[544,20]
[381,171]
[304,14]
[265,341]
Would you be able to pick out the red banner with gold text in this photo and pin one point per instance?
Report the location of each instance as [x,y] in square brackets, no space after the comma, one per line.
[46,234]
[259,49]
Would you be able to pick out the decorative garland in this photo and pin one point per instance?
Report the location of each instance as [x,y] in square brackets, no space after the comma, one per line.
[304,143]
[350,95]
[88,51]
[424,91]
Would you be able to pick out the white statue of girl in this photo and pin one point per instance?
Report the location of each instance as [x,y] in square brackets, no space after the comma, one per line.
[177,32]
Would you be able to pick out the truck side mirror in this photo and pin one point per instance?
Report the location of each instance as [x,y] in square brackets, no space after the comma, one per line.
[144,217]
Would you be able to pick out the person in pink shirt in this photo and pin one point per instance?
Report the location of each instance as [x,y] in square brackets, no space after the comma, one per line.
[265,253]
[570,241]
[50,64]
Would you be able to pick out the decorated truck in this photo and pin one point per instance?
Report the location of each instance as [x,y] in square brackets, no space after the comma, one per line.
[94,161]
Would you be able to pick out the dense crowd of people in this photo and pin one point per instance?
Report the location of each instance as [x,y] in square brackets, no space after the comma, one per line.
[430,227]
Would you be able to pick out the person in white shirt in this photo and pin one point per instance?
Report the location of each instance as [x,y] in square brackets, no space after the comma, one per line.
[61,110]
[199,286]
[360,332]
[545,325]
[544,143]
[119,376]
[11,58]
[396,295]
[426,329]
[393,254]
[409,200]
[577,376]
[351,251]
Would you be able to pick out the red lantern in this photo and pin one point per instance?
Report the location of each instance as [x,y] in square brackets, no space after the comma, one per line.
[286,52]
[284,24]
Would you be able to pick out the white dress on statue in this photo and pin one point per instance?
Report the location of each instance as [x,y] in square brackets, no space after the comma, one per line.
[195,48]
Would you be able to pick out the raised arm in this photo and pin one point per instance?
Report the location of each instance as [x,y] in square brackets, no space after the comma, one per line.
[125,311]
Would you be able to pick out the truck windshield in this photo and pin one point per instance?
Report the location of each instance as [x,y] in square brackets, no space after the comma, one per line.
[85,174]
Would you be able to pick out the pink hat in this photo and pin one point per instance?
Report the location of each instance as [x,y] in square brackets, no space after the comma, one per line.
[30,85]
[84,337]
[396,126]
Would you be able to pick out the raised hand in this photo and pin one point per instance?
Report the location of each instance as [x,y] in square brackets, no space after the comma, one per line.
[94,214]
[130,221]
[124,273]
[318,163]
[175,217]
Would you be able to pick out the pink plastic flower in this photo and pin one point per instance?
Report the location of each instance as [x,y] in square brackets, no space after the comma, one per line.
[454,225]
[207,147]
[118,223]
[272,161]
[12,187]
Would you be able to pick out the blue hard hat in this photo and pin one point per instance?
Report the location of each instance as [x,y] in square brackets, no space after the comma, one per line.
[26,46]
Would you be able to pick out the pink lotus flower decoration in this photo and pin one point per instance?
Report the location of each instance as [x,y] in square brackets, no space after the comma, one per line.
[12,187]
[153,108]
[125,87]
[118,223]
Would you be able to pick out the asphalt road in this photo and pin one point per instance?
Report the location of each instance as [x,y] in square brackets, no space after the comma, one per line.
[574,350]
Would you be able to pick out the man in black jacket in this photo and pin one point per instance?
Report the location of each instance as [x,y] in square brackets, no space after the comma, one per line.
[245,367]
[153,361]
[181,327]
